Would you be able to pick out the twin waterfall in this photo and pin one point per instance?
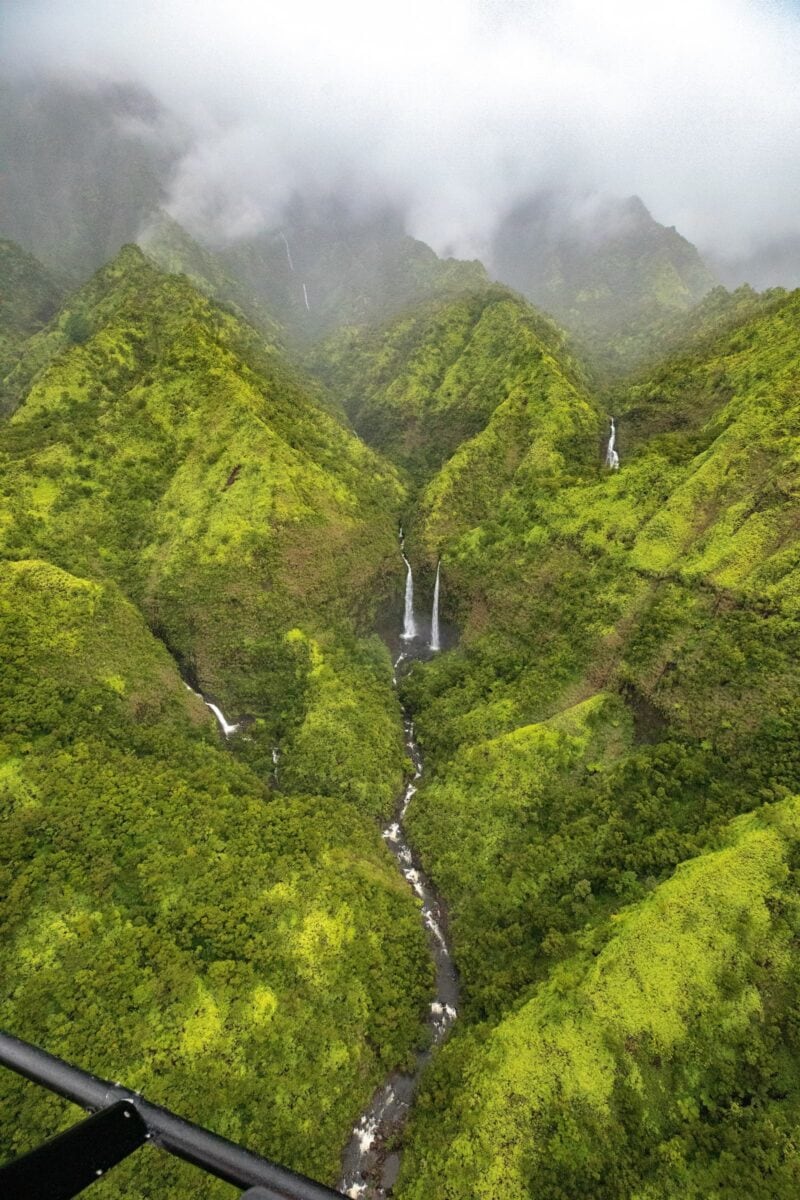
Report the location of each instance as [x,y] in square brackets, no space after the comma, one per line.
[371,1159]
[410,631]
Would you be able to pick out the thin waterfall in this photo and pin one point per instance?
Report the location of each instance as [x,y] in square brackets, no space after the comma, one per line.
[288,252]
[612,458]
[225,725]
[409,624]
[435,644]
[305,297]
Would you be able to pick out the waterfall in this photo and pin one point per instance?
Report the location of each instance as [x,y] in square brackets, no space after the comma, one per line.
[288,252]
[612,458]
[305,297]
[225,725]
[409,624]
[435,644]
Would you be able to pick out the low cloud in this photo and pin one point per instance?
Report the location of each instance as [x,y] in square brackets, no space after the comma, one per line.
[457,109]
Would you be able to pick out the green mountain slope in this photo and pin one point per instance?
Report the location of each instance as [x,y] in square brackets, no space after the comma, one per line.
[172,450]
[625,685]
[428,381]
[29,297]
[250,958]
[609,800]
[605,269]
[660,1061]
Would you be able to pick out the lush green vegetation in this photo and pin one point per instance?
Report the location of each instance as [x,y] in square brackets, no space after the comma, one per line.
[625,685]
[176,452]
[419,387]
[609,805]
[251,958]
[248,953]
[659,1061]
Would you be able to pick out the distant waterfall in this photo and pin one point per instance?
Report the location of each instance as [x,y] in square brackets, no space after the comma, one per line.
[435,643]
[288,252]
[305,297]
[409,624]
[612,458]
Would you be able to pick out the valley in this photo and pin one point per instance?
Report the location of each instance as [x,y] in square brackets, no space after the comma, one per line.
[228,878]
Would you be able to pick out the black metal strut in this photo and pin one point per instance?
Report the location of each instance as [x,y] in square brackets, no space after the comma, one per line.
[124,1120]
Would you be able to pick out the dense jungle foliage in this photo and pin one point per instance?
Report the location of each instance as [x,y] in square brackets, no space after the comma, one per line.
[609,807]
[250,957]
[171,449]
[626,685]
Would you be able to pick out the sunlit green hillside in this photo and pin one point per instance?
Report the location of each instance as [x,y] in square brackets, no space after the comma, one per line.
[608,808]
[250,958]
[626,683]
[421,385]
[163,444]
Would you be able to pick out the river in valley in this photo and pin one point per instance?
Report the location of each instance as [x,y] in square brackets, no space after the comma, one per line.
[371,1160]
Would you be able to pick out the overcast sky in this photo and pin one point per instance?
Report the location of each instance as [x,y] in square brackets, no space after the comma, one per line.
[458,107]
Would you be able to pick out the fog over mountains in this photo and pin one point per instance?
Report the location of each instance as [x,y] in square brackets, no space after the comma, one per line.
[456,117]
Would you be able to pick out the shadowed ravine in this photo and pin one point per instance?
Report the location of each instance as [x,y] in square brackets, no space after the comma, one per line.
[371,1160]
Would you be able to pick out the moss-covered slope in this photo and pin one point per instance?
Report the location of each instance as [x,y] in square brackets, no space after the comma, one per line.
[251,959]
[625,684]
[173,450]
[660,1061]
[420,386]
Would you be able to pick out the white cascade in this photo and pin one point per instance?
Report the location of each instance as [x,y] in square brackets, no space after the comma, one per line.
[225,725]
[435,643]
[305,297]
[612,458]
[409,624]
[288,252]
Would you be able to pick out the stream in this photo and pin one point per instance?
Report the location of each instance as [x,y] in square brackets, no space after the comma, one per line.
[371,1160]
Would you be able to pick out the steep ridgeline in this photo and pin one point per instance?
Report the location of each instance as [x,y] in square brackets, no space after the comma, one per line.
[603,266]
[326,266]
[249,957]
[173,249]
[423,384]
[171,450]
[624,689]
